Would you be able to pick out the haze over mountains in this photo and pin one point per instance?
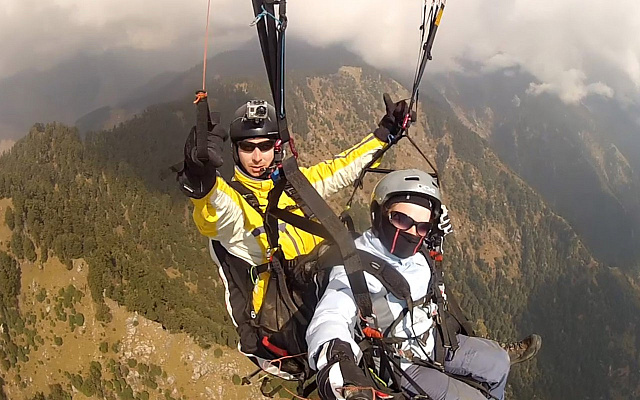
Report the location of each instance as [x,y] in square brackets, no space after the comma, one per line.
[127,81]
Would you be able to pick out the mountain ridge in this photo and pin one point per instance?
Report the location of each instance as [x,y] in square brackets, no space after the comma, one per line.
[565,152]
[516,265]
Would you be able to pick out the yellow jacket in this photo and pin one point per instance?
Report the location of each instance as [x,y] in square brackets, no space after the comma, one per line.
[223,215]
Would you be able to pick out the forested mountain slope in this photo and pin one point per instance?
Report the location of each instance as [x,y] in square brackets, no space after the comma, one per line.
[516,265]
[584,158]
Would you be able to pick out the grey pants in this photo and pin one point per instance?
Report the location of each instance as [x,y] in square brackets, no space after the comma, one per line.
[480,359]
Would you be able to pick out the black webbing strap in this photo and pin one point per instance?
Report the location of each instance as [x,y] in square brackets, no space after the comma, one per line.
[340,236]
[203,120]
[270,219]
[387,356]
[390,277]
[246,194]
[251,198]
[291,192]
[272,43]
[273,213]
[296,220]
[300,222]
[449,341]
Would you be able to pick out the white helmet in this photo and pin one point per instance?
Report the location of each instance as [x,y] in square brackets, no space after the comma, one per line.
[418,186]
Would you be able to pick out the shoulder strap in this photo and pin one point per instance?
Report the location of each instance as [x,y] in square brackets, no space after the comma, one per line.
[272,43]
[246,194]
[390,278]
[291,192]
[448,341]
[336,231]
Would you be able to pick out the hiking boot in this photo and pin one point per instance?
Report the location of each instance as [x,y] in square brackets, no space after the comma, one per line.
[523,350]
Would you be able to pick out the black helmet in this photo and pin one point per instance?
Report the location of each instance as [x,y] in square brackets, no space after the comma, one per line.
[256,119]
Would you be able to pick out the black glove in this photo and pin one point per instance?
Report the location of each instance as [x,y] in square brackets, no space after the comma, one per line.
[198,177]
[354,385]
[391,124]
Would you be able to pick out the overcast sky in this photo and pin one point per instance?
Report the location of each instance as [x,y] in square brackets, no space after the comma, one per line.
[573,47]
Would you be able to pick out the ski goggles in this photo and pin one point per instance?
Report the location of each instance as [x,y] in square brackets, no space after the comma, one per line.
[249,147]
[404,222]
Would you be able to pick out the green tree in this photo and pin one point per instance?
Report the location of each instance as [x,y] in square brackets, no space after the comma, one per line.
[29,250]
[79,319]
[115,347]
[57,393]
[9,280]
[104,347]
[16,244]
[8,218]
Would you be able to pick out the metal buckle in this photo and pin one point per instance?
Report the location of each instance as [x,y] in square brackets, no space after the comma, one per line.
[271,251]
[371,321]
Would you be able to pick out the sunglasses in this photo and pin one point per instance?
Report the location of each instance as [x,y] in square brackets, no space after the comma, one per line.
[404,222]
[262,146]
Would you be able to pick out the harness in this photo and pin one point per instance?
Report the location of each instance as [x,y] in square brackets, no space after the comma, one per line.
[382,352]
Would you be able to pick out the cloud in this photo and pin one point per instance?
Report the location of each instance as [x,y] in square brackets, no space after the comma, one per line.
[570,86]
[516,100]
[572,47]
[40,34]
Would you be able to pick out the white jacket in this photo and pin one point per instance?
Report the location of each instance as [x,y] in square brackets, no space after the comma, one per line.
[336,315]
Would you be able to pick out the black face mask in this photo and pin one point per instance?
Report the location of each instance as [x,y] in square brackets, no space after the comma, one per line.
[399,243]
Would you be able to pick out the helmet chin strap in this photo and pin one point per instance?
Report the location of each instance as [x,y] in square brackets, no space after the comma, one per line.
[278,156]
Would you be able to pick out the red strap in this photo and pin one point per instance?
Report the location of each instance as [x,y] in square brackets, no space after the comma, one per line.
[273,348]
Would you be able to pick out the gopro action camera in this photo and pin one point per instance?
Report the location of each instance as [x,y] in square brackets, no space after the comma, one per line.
[256,110]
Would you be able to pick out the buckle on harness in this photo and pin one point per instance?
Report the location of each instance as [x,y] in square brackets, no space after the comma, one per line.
[271,252]
[372,333]
[370,327]
[278,146]
[276,174]
[436,255]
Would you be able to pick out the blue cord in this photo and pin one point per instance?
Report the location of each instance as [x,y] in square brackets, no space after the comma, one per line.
[263,14]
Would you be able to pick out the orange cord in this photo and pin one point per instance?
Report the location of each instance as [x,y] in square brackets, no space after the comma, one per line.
[206,45]
[200,96]
[273,362]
